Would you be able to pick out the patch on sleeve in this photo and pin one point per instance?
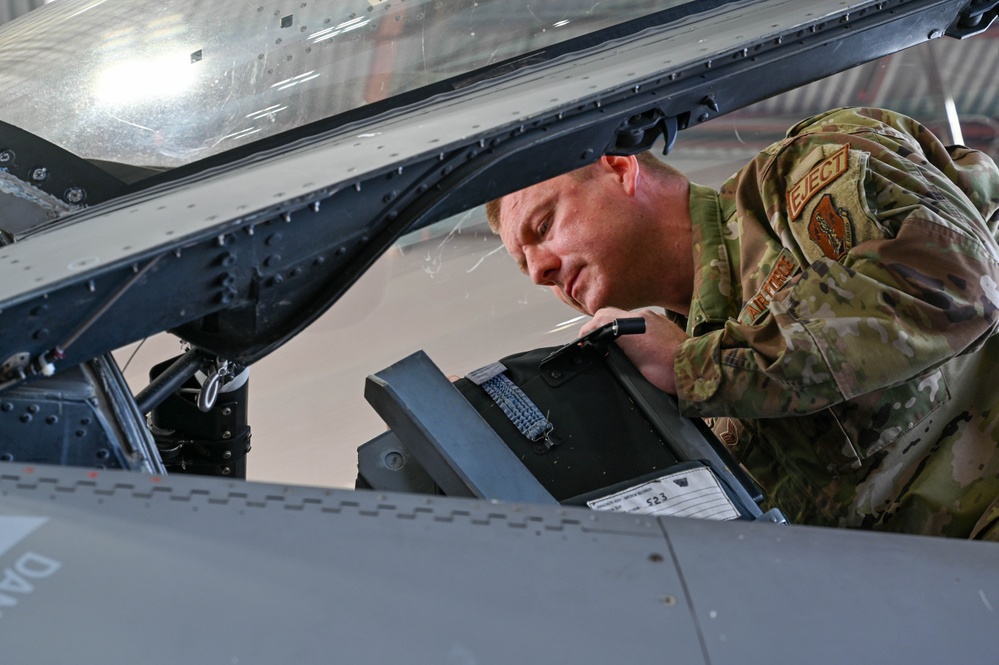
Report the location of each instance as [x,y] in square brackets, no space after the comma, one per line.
[726,429]
[784,268]
[830,228]
[819,177]
[832,212]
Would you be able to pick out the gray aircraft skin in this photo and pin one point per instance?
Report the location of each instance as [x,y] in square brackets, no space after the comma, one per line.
[244,193]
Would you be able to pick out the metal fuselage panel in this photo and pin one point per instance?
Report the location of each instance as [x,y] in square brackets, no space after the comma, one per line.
[207,570]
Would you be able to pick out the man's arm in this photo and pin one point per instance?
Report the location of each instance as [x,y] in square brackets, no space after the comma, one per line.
[653,352]
[915,286]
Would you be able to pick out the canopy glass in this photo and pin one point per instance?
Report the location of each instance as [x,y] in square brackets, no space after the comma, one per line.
[163,83]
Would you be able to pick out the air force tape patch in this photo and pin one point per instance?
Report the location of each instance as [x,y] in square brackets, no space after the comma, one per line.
[784,268]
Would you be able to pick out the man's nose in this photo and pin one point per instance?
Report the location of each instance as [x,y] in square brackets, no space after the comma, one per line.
[543,266]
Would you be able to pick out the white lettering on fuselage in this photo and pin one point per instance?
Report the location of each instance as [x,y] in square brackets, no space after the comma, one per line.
[18,580]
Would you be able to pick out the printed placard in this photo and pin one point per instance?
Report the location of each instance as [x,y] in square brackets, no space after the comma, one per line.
[691,493]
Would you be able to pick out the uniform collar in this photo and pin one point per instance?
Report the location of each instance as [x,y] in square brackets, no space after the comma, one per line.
[712,266]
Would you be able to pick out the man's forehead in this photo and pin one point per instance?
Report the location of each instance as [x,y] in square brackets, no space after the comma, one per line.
[517,205]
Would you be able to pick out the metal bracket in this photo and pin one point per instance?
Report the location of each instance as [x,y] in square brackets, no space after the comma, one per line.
[773,516]
[639,132]
[447,436]
[975,19]
[13,369]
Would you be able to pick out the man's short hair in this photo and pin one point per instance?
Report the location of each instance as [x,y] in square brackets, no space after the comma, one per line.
[646,159]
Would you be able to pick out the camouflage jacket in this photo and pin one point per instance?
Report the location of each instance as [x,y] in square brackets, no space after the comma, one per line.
[843,319]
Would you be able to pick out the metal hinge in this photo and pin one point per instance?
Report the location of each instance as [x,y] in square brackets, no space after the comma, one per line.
[974,19]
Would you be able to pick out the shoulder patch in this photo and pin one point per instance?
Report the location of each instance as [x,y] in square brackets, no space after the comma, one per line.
[830,228]
[816,179]
[784,268]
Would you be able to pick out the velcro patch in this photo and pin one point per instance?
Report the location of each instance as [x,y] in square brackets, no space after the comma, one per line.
[823,173]
[784,268]
[830,228]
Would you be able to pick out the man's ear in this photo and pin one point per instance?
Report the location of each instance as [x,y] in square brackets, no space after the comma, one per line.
[624,169]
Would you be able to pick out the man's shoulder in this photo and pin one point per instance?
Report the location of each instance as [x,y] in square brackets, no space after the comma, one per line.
[856,119]
[818,136]
[837,125]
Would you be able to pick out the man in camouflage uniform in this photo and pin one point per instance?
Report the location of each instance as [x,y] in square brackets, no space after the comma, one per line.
[835,318]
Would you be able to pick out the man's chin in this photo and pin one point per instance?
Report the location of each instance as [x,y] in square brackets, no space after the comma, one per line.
[568,300]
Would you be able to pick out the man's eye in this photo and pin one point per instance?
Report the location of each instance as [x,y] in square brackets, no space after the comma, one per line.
[543,228]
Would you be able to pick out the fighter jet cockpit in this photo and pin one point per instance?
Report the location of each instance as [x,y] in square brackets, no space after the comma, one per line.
[246,272]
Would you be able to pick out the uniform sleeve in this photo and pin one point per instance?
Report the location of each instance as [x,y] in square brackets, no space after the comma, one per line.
[898,271]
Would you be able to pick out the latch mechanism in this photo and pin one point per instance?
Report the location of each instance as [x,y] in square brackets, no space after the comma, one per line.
[639,132]
[974,19]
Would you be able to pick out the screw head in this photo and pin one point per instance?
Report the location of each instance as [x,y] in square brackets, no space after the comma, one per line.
[39,174]
[6,156]
[75,195]
[394,460]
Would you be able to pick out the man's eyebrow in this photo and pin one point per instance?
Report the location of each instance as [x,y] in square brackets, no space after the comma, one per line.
[524,226]
[539,208]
